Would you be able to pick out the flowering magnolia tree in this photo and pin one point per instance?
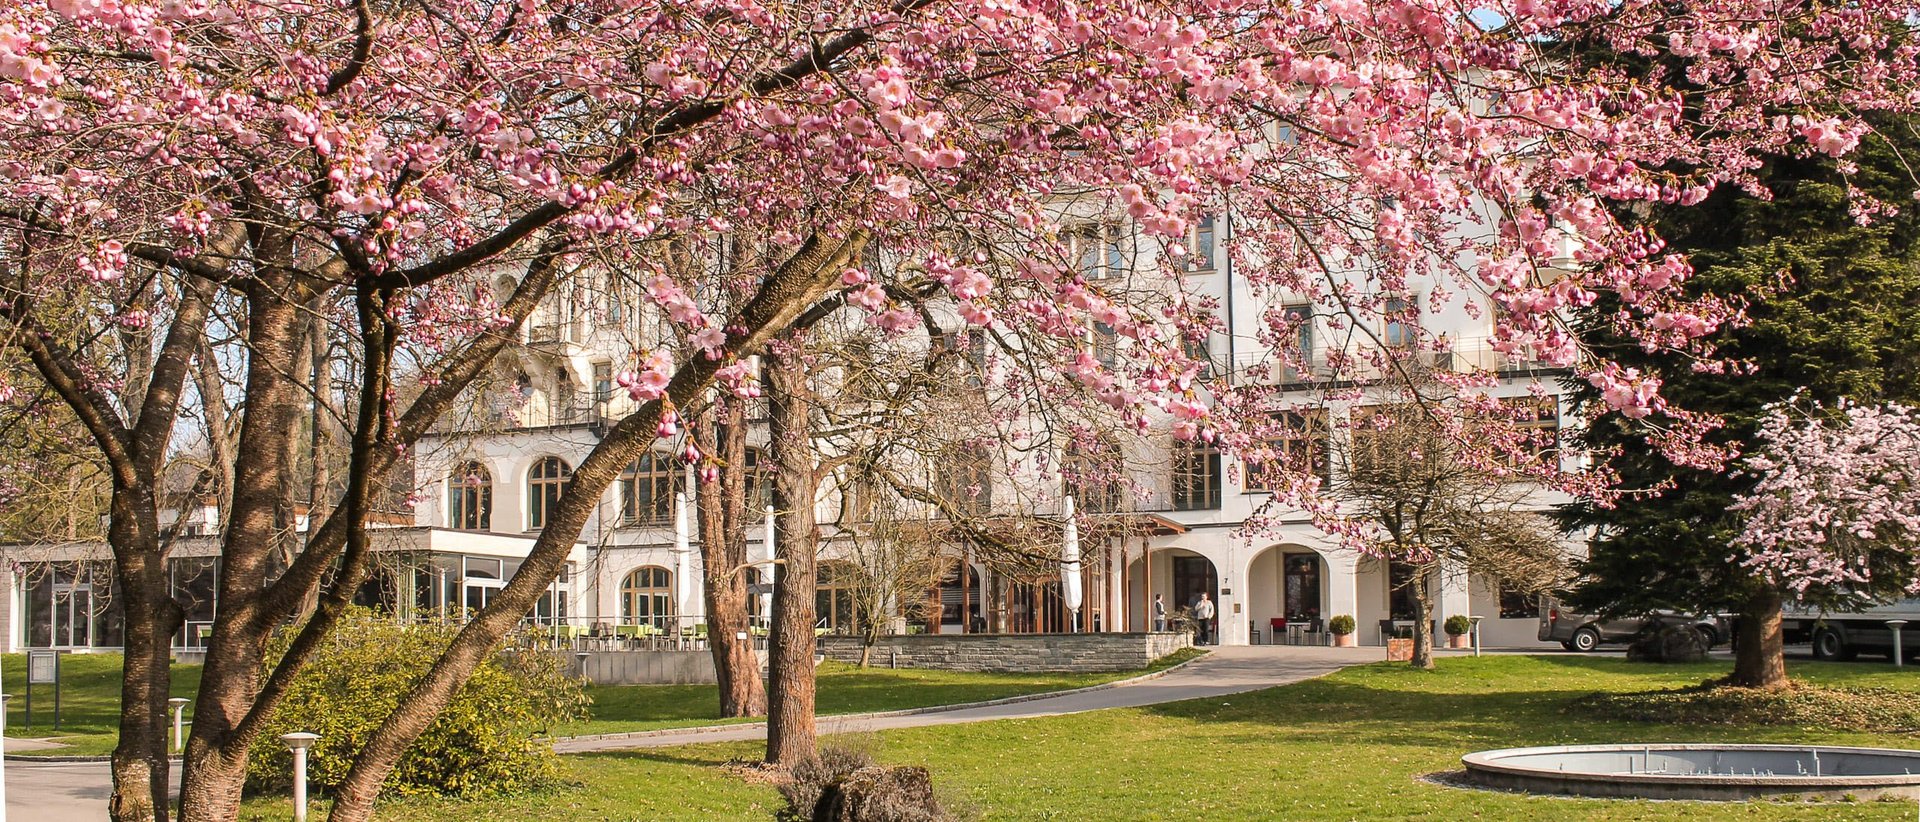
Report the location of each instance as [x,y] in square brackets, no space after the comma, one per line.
[1835,516]
[385,165]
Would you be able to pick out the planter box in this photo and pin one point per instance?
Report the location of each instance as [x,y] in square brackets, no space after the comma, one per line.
[1459,641]
[1344,641]
[1399,650]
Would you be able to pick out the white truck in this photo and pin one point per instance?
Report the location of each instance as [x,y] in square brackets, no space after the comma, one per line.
[1843,635]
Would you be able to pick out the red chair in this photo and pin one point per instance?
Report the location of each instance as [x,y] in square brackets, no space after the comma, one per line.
[1276,628]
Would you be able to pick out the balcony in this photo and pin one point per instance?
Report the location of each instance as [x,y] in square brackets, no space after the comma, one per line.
[1357,365]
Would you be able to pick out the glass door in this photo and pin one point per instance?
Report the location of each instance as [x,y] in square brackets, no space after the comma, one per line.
[72,615]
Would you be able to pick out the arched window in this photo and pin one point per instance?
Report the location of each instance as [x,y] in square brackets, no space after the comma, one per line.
[470,497]
[545,483]
[646,490]
[646,597]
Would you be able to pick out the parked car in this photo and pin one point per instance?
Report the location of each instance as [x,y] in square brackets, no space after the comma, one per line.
[1584,632]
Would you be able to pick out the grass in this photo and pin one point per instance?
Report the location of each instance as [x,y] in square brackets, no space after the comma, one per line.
[1350,746]
[89,702]
[843,689]
[90,697]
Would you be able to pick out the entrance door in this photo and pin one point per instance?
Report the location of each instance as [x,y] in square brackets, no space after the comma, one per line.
[1191,577]
[72,615]
[1302,586]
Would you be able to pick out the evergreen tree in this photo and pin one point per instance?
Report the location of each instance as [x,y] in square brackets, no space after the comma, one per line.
[1840,318]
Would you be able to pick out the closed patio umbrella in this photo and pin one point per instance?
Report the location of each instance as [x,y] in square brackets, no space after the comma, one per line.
[1070,569]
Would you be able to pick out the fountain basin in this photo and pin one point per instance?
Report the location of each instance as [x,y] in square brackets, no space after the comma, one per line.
[1700,771]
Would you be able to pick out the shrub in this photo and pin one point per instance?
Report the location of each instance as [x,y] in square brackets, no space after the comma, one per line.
[1669,643]
[483,743]
[1341,625]
[1457,625]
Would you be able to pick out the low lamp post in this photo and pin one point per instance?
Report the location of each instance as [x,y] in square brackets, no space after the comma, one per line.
[178,705]
[1899,653]
[1474,622]
[298,743]
[580,664]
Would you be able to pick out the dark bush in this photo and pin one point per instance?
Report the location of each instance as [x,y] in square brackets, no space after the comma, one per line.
[483,743]
[1669,643]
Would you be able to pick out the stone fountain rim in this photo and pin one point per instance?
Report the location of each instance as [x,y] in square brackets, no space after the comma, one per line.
[1488,761]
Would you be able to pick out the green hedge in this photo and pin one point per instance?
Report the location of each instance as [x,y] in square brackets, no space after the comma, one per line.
[484,742]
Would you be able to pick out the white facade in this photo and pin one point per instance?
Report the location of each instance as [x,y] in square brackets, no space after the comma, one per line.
[568,391]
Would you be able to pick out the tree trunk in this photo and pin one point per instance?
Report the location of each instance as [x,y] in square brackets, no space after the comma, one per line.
[214,767]
[1423,616]
[790,698]
[1760,660]
[720,500]
[139,761]
[797,284]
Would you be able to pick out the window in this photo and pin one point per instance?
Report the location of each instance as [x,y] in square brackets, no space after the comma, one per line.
[759,485]
[1298,441]
[1518,604]
[833,597]
[1096,251]
[545,483]
[470,498]
[646,490]
[602,381]
[1093,475]
[1402,318]
[966,480]
[1298,363]
[970,348]
[1106,345]
[646,597]
[1201,257]
[1372,439]
[1196,476]
[1538,421]
[1200,351]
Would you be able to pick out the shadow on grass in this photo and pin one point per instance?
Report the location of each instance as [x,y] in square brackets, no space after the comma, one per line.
[1468,707]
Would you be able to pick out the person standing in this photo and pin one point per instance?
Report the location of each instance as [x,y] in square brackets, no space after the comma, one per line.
[1203,617]
[1159,614]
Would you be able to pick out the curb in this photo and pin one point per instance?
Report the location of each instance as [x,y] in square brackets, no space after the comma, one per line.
[929,709]
[71,758]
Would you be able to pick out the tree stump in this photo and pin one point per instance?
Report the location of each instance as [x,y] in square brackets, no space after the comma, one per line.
[879,794]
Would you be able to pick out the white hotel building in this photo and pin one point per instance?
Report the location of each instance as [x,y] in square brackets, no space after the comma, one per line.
[483,495]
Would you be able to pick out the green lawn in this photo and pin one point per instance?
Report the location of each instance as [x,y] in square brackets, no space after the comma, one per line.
[90,697]
[1350,746]
[843,689]
[89,701]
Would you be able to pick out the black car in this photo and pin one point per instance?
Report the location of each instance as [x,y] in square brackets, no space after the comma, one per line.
[1584,632]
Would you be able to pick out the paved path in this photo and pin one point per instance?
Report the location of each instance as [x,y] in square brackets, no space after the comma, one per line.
[1228,670]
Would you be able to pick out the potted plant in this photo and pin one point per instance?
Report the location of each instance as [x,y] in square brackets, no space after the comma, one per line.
[1342,629]
[1457,628]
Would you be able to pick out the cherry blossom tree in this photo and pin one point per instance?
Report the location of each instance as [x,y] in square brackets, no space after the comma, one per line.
[384,164]
[1834,520]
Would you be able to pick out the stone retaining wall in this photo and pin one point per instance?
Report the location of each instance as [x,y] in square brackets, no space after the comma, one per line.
[1018,653]
[644,667]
